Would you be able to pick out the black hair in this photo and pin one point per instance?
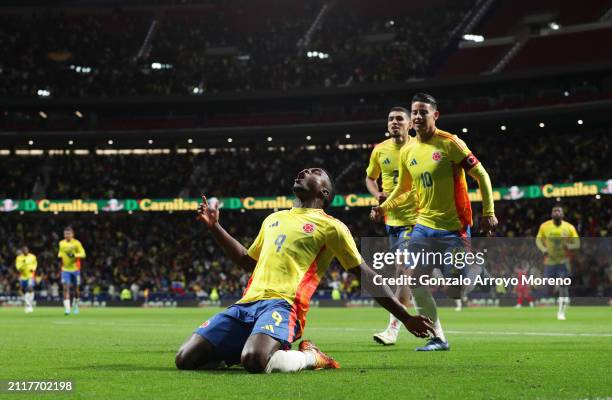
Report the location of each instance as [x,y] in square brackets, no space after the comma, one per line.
[68,228]
[332,191]
[425,98]
[400,109]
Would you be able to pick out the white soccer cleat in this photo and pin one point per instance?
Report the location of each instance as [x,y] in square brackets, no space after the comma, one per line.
[561,316]
[388,337]
[518,306]
[29,310]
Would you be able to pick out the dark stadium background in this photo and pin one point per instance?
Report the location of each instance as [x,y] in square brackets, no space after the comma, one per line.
[164,99]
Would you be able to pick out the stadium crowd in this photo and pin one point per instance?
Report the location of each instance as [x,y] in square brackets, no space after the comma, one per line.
[517,159]
[171,255]
[218,47]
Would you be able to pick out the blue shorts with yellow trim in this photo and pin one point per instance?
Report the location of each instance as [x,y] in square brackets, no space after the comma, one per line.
[27,283]
[556,271]
[399,236]
[71,278]
[426,239]
[229,330]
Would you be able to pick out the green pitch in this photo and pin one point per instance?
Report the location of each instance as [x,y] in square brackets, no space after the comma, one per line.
[496,354]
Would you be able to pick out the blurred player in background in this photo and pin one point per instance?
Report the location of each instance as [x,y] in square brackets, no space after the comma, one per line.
[522,290]
[26,264]
[555,239]
[435,165]
[288,258]
[71,252]
[399,222]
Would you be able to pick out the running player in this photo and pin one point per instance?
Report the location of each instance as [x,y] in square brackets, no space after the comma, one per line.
[555,239]
[26,264]
[435,165]
[71,252]
[288,257]
[384,161]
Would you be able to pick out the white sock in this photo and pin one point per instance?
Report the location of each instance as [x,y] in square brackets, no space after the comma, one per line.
[458,303]
[67,305]
[563,304]
[290,361]
[29,299]
[75,302]
[394,324]
[25,300]
[424,304]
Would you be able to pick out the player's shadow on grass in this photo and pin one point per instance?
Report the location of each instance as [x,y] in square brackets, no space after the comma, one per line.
[138,367]
[374,349]
[122,367]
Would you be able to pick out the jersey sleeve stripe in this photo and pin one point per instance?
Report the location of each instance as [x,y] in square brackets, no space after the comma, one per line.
[452,139]
[462,200]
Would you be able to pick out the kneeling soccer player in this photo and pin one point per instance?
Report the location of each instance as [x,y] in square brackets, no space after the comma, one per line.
[289,256]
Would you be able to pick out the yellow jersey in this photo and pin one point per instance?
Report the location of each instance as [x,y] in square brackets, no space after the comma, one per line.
[26,265]
[436,170]
[71,253]
[556,240]
[293,250]
[385,159]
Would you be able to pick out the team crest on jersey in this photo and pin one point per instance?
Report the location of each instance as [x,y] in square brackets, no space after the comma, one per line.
[205,324]
[308,227]
[436,156]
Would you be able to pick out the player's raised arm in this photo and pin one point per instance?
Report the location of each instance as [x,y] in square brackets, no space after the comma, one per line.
[232,248]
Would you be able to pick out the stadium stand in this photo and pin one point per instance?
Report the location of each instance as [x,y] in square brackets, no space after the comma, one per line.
[172,257]
[231,73]
[564,47]
[518,159]
[507,18]
[474,59]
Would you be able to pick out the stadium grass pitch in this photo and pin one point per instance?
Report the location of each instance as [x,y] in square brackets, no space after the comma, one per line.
[499,353]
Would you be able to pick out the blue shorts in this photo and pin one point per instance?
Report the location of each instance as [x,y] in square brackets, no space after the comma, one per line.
[399,236]
[27,283]
[556,271]
[229,330]
[424,239]
[71,278]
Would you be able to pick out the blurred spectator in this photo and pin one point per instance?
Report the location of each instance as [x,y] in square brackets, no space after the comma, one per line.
[510,159]
[161,252]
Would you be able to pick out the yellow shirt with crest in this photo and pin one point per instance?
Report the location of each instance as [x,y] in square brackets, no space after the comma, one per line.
[385,161]
[71,253]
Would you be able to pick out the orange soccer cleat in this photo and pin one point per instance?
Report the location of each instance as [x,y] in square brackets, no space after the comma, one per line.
[322,360]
